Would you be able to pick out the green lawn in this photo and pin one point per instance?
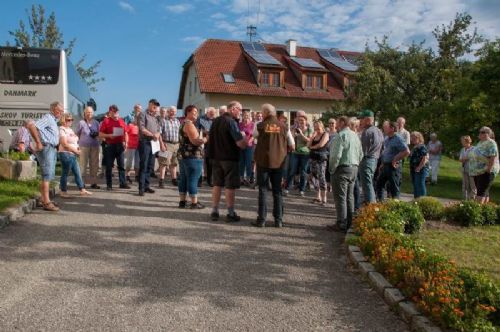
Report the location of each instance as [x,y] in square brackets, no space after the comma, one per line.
[476,248]
[15,192]
[449,182]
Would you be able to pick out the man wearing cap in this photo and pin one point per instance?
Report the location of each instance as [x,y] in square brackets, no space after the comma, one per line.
[149,131]
[372,141]
[345,155]
[113,130]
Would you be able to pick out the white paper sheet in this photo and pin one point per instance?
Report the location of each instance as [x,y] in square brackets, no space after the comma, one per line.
[155,146]
[164,154]
[117,131]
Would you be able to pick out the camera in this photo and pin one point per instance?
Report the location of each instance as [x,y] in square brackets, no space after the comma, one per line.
[94,133]
[297,130]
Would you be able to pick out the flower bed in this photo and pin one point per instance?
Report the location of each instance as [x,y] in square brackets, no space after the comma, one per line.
[453,297]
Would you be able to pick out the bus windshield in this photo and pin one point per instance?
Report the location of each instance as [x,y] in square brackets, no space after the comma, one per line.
[29,66]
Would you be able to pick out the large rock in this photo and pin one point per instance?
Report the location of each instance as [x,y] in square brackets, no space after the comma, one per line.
[17,170]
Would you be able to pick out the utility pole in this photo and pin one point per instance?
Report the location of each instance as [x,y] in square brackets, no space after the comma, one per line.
[251,32]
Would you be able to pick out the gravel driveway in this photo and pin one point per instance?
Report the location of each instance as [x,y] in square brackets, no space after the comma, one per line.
[117,261]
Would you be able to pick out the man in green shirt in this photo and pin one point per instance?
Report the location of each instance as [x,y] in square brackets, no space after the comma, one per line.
[345,155]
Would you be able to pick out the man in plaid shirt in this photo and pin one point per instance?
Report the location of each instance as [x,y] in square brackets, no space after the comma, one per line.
[170,134]
[21,139]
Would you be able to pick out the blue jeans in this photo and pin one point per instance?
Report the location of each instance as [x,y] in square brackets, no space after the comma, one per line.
[112,152]
[298,162]
[264,176]
[190,173]
[47,158]
[367,169]
[69,162]
[146,164]
[246,158]
[418,180]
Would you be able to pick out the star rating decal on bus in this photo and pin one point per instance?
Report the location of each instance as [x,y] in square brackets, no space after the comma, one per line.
[40,78]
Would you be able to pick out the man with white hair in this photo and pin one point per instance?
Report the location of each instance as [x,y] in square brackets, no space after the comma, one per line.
[222,109]
[45,133]
[170,135]
[270,154]
[204,123]
[402,132]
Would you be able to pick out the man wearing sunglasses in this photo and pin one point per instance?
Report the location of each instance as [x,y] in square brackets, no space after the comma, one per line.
[113,131]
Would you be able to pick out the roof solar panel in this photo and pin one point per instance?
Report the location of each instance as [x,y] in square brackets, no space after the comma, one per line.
[307,63]
[259,53]
[336,59]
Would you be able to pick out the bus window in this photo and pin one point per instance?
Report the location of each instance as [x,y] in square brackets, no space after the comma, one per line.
[34,66]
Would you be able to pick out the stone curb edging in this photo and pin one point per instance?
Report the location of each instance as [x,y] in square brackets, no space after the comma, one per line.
[15,213]
[391,295]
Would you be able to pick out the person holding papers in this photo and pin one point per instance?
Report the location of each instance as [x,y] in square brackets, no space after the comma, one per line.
[113,131]
[150,142]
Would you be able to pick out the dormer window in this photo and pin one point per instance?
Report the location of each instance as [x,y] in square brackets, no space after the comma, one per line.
[314,81]
[228,77]
[270,79]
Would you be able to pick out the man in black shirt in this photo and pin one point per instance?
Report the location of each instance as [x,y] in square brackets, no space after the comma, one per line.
[225,141]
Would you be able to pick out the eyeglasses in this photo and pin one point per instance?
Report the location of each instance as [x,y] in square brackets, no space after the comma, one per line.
[69,120]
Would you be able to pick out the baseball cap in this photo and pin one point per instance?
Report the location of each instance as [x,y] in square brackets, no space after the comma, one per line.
[365,114]
[154,102]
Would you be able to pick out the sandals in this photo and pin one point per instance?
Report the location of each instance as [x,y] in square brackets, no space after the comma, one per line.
[84,192]
[64,194]
[316,201]
[50,206]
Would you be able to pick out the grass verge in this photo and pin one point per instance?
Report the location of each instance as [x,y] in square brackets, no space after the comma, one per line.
[15,192]
[475,248]
[449,182]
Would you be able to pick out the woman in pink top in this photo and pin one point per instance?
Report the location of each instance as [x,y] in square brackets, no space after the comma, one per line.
[68,151]
[246,155]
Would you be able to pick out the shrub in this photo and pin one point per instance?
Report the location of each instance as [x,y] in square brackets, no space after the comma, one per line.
[489,211]
[390,221]
[410,214]
[431,208]
[16,155]
[465,213]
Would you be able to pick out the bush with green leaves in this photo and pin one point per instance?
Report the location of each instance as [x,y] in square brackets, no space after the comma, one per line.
[489,214]
[431,208]
[410,214]
[14,155]
[465,213]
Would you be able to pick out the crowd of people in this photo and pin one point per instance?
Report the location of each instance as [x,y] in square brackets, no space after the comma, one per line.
[229,148]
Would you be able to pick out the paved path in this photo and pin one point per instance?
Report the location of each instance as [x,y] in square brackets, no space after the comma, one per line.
[117,261]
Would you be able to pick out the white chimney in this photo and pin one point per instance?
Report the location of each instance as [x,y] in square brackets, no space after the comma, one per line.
[291,47]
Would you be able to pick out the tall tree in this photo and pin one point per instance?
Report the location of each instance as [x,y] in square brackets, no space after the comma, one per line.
[41,31]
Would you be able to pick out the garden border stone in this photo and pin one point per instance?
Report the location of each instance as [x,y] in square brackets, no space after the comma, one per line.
[391,295]
[17,212]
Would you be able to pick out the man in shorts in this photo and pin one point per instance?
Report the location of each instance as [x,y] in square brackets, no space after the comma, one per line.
[225,142]
[170,135]
[45,133]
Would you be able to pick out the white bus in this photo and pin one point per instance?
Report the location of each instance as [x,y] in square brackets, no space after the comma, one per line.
[30,80]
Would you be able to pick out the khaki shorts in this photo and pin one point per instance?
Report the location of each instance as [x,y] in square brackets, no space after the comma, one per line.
[171,160]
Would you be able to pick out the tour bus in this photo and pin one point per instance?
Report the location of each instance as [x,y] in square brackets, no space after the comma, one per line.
[30,80]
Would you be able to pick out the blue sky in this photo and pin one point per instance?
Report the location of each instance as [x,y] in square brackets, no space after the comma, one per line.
[144,43]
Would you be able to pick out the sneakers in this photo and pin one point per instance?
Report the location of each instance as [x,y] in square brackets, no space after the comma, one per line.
[141,192]
[232,217]
[149,191]
[95,186]
[182,204]
[302,194]
[197,205]
[64,194]
[214,216]
[285,192]
[124,186]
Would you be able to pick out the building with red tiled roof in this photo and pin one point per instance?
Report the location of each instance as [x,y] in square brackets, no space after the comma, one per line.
[288,76]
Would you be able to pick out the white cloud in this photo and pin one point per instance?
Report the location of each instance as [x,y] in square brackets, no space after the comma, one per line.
[126,7]
[193,39]
[179,8]
[350,24]
[218,16]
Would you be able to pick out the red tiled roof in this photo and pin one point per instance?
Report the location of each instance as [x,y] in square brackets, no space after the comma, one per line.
[214,57]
